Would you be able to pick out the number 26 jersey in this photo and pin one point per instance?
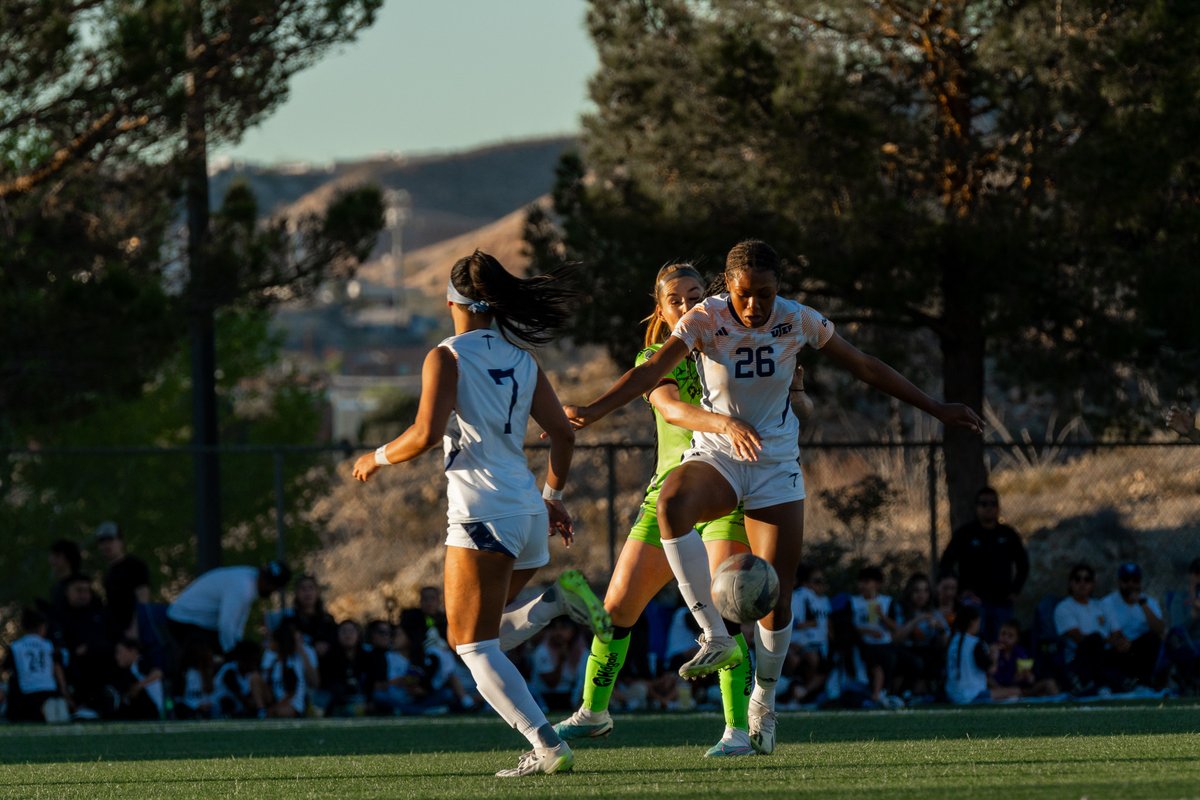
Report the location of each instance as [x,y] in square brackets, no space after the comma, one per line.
[747,372]
[487,474]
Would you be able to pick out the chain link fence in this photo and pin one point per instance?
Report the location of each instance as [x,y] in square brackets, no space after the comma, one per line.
[374,545]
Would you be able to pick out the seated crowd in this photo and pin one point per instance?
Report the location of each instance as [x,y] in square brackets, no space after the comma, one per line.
[189,660]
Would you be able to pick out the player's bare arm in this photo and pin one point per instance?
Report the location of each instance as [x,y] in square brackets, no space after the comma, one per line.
[636,382]
[548,414]
[874,372]
[439,387]
[677,411]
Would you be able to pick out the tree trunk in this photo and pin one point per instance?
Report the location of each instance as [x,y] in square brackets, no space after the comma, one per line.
[202,328]
[962,343]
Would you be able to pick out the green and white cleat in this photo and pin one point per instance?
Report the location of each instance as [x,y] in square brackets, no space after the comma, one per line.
[542,760]
[735,742]
[584,724]
[582,605]
[762,728]
[715,655]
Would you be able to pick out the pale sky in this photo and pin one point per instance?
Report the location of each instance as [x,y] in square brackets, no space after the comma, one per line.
[434,75]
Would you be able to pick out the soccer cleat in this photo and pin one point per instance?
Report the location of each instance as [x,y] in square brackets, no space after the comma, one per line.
[715,654]
[543,760]
[735,742]
[585,725]
[583,606]
[762,728]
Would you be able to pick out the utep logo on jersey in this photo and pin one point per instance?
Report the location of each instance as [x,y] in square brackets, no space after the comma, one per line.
[781,329]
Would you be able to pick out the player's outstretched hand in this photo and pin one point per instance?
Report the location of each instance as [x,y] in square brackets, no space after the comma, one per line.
[744,438]
[960,416]
[560,521]
[579,416]
[365,467]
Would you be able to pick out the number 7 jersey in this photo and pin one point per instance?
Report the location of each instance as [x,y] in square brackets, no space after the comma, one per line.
[747,372]
[487,474]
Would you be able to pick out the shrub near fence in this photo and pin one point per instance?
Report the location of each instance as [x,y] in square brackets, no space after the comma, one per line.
[374,545]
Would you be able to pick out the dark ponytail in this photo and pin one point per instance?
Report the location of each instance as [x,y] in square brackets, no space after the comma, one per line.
[530,309]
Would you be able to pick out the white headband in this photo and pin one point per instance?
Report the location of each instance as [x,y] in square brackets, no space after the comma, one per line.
[455,296]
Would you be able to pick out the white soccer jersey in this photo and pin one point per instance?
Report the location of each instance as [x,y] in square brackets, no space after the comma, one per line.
[219,600]
[747,372]
[965,680]
[808,606]
[487,474]
[869,614]
[33,661]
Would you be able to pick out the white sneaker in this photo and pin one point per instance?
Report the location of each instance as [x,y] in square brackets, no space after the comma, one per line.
[582,605]
[584,724]
[544,760]
[735,742]
[715,654]
[762,728]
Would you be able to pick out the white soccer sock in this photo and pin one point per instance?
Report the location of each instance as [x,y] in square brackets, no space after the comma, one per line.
[499,682]
[770,649]
[689,562]
[522,619]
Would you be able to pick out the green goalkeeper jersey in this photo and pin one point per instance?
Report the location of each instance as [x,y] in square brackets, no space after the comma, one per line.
[672,440]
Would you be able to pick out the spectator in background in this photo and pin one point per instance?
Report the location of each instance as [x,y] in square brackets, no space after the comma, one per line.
[1183,639]
[808,654]
[922,635]
[874,619]
[307,613]
[1181,420]
[947,600]
[199,697]
[417,622]
[1135,628]
[1082,629]
[137,692]
[990,561]
[34,671]
[214,608]
[342,673]
[238,685]
[556,663]
[126,580]
[65,560]
[82,631]
[968,662]
[375,662]
[285,669]
[1012,667]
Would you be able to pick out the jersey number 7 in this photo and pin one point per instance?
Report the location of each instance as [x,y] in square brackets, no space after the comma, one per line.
[498,375]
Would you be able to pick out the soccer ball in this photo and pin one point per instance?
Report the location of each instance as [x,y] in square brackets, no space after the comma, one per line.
[745,588]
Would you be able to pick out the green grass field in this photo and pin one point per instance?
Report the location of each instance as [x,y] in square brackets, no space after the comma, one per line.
[1107,751]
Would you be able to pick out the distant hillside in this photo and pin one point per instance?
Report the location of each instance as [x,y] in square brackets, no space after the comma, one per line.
[451,194]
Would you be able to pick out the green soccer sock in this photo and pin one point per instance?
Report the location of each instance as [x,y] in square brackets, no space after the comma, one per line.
[736,685]
[603,664]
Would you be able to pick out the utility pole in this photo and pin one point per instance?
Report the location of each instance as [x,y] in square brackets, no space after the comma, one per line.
[201,322]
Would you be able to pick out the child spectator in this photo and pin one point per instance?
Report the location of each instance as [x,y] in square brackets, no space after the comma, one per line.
[1013,666]
[238,685]
[922,635]
[341,690]
[35,675]
[556,662]
[199,689]
[1082,629]
[1135,628]
[405,689]
[968,661]
[308,614]
[65,560]
[284,667]
[1183,639]
[374,662]
[808,653]
[875,622]
[947,601]
[137,693]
